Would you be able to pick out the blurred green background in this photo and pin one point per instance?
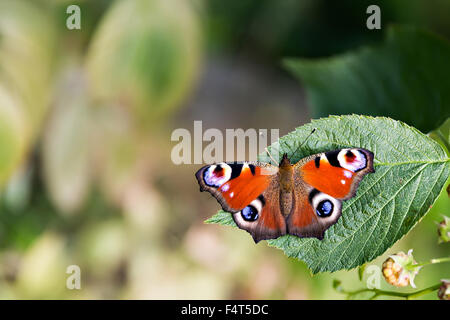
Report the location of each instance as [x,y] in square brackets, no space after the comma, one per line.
[86,118]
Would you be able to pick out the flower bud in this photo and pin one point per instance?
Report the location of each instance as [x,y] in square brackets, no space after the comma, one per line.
[400,269]
[444,230]
[444,290]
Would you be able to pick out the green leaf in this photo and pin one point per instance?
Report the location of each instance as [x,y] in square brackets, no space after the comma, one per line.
[405,78]
[223,218]
[442,135]
[361,270]
[411,170]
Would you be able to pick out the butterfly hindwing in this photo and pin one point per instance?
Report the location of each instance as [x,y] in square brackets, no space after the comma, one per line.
[250,191]
[262,217]
[322,181]
[313,213]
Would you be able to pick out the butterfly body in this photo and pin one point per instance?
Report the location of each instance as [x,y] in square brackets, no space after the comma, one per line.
[302,199]
[286,180]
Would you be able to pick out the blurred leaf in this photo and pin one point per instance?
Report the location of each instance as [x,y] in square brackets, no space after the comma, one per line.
[406,78]
[12,132]
[103,246]
[442,135]
[145,55]
[296,28]
[67,149]
[411,170]
[26,56]
[27,43]
[118,151]
[42,270]
[18,190]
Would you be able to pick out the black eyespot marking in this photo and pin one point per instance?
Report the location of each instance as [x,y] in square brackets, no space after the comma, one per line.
[252,168]
[350,155]
[236,169]
[324,208]
[312,194]
[218,168]
[261,198]
[249,213]
[317,162]
[332,157]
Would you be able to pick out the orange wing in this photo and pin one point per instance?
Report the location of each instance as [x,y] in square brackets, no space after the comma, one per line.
[322,182]
[337,173]
[251,192]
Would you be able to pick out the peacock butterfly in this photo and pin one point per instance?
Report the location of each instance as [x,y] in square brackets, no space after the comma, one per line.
[302,199]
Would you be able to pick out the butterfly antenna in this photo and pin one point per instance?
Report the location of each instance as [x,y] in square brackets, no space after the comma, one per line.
[275,161]
[304,141]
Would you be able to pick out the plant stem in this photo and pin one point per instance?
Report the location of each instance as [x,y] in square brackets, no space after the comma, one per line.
[419,293]
[406,295]
[434,261]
